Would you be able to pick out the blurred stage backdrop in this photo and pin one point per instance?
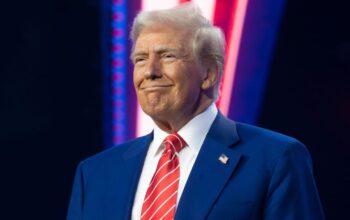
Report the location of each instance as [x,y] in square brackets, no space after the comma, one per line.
[66,88]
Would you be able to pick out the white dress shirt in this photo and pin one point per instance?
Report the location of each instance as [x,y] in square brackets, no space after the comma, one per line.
[194,133]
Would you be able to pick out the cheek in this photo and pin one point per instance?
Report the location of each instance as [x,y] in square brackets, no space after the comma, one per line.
[190,83]
[187,92]
[136,78]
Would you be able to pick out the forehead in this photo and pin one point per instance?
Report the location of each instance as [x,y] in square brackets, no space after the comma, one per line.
[161,36]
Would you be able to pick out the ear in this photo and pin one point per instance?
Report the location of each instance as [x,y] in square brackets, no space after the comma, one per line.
[211,77]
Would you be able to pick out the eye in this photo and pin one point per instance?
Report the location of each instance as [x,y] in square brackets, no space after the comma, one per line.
[168,56]
[139,60]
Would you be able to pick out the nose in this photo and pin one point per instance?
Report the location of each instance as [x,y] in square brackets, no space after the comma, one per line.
[153,70]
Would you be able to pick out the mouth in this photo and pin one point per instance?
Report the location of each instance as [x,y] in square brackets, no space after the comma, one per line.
[154,87]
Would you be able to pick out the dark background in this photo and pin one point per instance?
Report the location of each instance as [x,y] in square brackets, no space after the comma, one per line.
[51,98]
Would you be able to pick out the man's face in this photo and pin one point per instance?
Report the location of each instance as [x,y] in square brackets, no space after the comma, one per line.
[167,76]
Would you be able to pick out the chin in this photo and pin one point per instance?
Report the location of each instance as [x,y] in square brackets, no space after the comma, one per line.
[153,111]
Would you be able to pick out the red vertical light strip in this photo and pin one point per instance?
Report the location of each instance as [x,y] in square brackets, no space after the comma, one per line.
[226,23]
[234,35]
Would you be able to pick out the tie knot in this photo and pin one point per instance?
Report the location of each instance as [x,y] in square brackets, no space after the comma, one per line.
[174,142]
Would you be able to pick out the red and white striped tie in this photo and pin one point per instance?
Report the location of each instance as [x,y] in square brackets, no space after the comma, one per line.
[160,199]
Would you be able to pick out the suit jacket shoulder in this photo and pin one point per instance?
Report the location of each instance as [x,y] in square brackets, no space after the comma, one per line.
[267,143]
[105,184]
[118,152]
[267,176]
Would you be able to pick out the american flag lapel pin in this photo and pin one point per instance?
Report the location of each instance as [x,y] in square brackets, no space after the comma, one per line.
[223,159]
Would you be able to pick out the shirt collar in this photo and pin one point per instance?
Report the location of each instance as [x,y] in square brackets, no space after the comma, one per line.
[194,132]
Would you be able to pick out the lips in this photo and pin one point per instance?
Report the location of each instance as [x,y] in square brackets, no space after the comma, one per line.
[155,87]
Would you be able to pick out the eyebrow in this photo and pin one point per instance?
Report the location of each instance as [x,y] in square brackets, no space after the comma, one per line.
[139,52]
[166,49]
[159,50]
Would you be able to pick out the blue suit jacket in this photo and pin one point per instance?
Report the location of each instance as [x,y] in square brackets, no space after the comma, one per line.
[268,176]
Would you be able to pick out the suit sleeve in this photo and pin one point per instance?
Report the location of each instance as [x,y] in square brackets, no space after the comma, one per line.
[75,210]
[292,193]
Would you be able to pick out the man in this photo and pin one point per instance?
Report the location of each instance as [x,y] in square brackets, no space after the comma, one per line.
[196,164]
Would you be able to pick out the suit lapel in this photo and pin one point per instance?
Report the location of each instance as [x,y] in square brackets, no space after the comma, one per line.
[134,158]
[209,174]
